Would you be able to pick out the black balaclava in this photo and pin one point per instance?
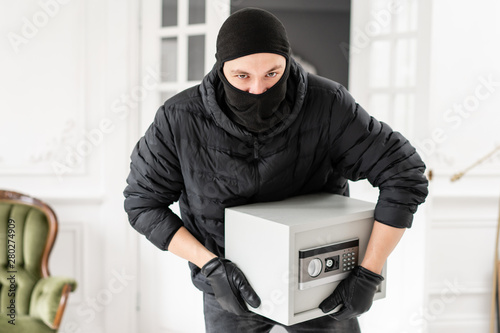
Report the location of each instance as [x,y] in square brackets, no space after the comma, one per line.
[245,32]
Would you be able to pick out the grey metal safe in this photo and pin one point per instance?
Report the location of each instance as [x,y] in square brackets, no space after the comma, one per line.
[296,251]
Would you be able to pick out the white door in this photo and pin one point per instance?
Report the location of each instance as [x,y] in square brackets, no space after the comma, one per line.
[65,68]
[178,46]
[388,75]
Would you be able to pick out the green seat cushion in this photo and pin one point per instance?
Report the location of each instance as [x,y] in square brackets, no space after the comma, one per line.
[22,247]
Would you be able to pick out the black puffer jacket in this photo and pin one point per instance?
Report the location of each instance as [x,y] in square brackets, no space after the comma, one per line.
[193,153]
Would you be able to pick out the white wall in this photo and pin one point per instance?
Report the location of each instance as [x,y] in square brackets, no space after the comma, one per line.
[64,66]
[464,92]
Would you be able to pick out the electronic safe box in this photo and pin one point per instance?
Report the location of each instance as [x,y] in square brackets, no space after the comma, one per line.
[296,251]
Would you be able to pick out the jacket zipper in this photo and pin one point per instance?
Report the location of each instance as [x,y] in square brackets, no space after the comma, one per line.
[255,148]
[256,164]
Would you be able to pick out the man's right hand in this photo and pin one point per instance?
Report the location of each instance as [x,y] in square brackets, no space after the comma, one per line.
[230,286]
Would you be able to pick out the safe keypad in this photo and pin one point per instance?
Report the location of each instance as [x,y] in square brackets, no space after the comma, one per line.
[348,261]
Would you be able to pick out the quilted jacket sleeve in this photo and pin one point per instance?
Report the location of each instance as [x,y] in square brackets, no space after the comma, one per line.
[154,183]
[364,148]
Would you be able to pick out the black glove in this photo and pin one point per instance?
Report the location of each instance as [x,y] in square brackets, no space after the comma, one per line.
[230,286]
[355,293]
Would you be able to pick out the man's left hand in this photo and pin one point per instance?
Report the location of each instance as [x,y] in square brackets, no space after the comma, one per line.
[355,294]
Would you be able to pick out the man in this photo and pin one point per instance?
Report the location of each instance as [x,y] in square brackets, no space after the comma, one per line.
[258,128]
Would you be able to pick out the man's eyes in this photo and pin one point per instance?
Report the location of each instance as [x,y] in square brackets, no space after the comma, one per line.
[245,76]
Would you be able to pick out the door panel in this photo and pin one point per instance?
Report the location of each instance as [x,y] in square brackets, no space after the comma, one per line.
[387,43]
[178,42]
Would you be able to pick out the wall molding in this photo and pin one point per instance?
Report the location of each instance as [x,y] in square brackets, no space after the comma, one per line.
[76,231]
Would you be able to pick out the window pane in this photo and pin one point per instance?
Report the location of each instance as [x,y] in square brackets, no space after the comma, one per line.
[413,15]
[169,13]
[169,59]
[380,107]
[407,17]
[405,63]
[196,57]
[196,11]
[380,64]
[404,111]
[381,18]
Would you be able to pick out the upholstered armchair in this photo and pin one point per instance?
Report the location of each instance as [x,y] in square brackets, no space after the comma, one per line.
[31,301]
